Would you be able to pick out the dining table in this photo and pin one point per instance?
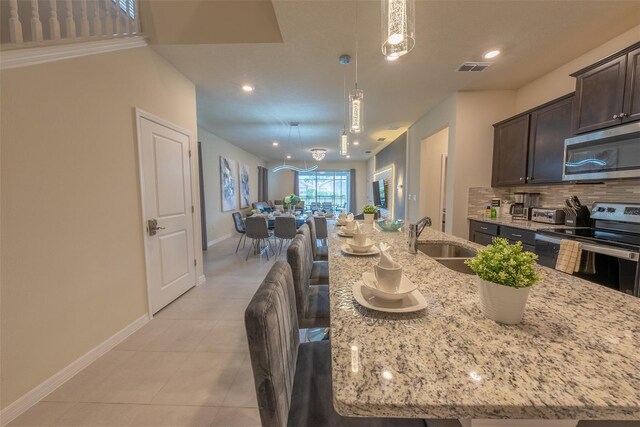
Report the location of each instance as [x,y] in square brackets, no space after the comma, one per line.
[574,356]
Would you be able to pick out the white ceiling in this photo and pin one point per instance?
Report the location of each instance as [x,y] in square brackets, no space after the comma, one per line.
[301,79]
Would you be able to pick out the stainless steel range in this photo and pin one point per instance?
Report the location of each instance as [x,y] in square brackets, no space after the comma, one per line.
[610,246]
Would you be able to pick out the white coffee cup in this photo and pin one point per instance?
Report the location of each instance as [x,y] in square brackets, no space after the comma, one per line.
[360,239]
[388,279]
[350,225]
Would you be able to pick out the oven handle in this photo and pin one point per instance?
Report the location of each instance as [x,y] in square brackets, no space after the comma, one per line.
[598,249]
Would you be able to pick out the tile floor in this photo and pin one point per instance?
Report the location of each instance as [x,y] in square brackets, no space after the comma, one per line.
[189,366]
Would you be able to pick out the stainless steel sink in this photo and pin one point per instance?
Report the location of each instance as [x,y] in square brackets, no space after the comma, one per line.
[445,250]
[451,255]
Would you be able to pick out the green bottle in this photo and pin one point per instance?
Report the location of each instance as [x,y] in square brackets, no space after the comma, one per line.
[494,213]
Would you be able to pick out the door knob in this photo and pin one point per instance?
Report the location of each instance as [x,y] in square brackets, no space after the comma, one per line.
[152,227]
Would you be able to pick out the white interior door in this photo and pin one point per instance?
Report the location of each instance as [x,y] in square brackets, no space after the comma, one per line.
[166,194]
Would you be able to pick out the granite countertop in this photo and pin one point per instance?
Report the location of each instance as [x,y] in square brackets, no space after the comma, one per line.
[516,223]
[574,356]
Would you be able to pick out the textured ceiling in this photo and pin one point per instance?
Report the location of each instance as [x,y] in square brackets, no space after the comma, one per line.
[301,80]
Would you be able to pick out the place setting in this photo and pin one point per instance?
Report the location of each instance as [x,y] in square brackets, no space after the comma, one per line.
[359,244]
[342,219]
[386,288]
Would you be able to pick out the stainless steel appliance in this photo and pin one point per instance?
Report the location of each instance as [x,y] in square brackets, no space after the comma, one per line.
[523,204]
[605,154]
[610,246]
[548,216]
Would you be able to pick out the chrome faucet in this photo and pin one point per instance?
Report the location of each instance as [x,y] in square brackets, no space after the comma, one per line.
[415,230]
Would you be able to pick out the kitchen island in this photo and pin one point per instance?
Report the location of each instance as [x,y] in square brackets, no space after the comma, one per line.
[574,356]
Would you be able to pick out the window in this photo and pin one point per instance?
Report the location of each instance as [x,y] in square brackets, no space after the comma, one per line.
[127,3]
[325,190]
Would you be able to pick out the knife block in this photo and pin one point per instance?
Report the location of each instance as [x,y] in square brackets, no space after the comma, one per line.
[581,219]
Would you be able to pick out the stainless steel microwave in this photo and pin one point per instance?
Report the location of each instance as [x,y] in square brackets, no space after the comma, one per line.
[604,154]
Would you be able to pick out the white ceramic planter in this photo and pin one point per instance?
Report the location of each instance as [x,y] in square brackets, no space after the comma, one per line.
[368,218]
[502,304]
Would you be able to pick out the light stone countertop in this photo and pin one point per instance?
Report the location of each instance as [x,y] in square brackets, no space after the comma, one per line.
[516,223]
[576,354]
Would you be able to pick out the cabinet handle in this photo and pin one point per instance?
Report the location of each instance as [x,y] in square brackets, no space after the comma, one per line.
[615,116]
[521,178]
[483,228]
[528,178]
[516,235]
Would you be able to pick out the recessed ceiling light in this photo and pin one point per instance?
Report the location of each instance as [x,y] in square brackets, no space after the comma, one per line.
[275,143]
[248,88]
[288,157]
[491,54]
[356,143]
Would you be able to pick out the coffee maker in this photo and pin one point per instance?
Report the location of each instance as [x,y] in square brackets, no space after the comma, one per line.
[523,205]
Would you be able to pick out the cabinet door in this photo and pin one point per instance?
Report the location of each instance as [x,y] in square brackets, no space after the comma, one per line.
[483,239]
[510,152]
[632,89]
[549,128]
[599,96]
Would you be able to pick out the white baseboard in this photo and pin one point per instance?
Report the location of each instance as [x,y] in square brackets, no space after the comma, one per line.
[38,55]
[32,397]
[218,240]
[201,280]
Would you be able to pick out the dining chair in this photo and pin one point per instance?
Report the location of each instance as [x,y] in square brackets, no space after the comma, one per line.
[237,222]
[256,228]
[292,379]
[284,230]
[311,290]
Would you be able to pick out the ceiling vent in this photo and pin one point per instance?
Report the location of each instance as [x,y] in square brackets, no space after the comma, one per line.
[474,66]
[381,139]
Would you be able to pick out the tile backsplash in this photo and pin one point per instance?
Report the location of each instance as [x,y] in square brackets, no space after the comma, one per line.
[553,196]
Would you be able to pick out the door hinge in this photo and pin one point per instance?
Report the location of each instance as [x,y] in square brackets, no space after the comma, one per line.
[189,152]
[193,210]
[195,262]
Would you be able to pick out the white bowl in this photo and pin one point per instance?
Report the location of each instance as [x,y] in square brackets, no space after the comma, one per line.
[360,248]
[405,288]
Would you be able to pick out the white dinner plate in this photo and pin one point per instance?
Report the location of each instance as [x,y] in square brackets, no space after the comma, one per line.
[406,287]
[347,250]
[414,301]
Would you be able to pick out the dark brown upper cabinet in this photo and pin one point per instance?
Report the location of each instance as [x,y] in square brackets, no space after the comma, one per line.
[607,92]
[550,126]
[529,148]
[510,139]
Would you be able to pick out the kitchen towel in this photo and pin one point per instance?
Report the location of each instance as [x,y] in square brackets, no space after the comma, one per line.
[569,256]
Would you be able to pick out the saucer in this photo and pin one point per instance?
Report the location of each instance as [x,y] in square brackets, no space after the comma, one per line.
[413,301]
[347,250]
[344,233]
[406,287]
[360,248]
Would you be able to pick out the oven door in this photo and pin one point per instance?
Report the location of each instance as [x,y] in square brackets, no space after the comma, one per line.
[612,267]
[606,154]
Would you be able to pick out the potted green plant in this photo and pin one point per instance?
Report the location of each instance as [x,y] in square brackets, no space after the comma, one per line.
[291,201]
[506,273]
[369,212]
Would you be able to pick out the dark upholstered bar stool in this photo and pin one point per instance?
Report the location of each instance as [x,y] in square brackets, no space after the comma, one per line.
[320,253]
[293,379]
[311,293]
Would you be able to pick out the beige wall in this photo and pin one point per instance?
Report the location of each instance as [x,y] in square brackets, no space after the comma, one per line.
[73,271]
[440,117]
[281,183]
[430,166]
[559,82]
[219,224]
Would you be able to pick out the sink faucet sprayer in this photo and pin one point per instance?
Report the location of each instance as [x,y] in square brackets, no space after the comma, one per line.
[415,230]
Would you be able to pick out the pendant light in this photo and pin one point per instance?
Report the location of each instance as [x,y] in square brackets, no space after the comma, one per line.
[318,153]
[398,27]
[344,136]
[284,165]
[356,96]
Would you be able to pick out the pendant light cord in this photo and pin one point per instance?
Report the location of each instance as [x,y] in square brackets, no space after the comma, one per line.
[344,101]
[356,44]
